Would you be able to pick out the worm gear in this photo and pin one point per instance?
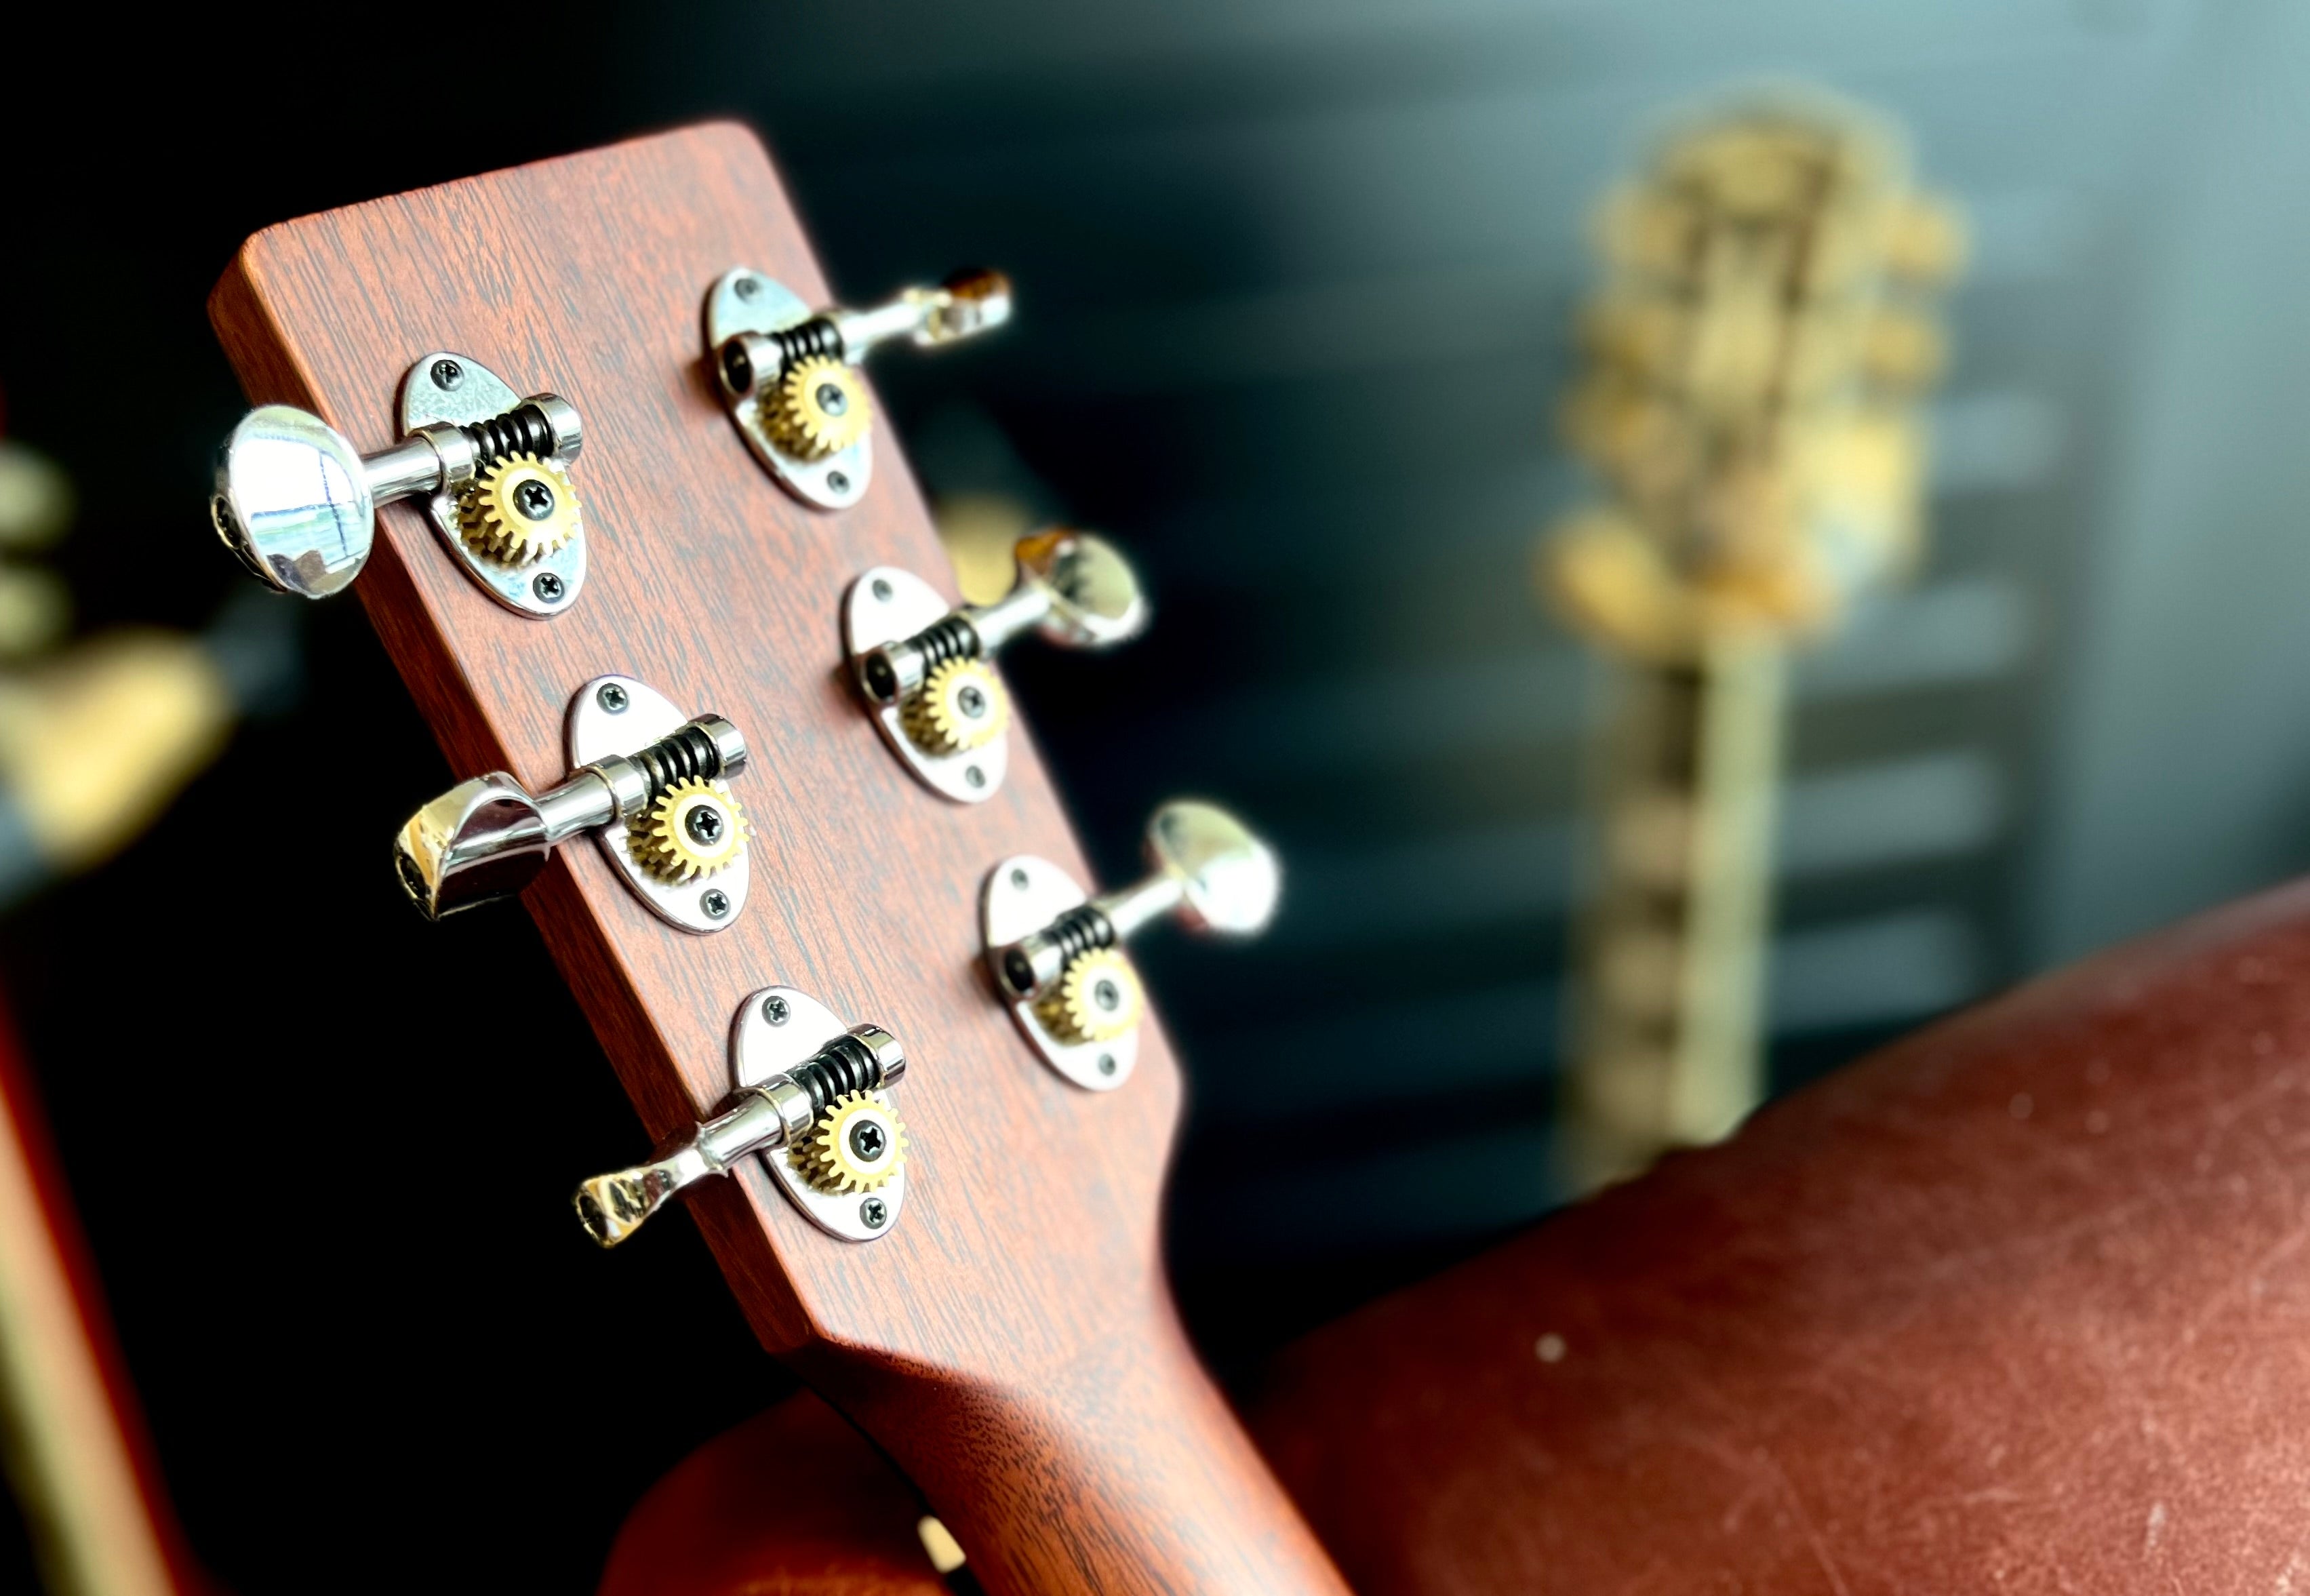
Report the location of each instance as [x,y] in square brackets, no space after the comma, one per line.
[962,707]
[1098,999]
[821,407]
[517,509]
[858,1146]
[695,829]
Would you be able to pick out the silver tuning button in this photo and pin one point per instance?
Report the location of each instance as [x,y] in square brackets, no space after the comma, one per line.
[926,669]
[1054,950]
[789,374]
[296,503]
[651,787]
[811,1099]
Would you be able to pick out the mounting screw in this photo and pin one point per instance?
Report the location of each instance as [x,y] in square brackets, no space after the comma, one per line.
[882,591]
[447,374]
[612,698]
[548,588]
[873,1213]
[746,287]
[1019,879]
[716,902]
[837,482]
[974,776]
[775,1009]
[1107,1063]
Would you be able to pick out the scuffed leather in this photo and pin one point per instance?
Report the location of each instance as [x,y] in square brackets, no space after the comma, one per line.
[2021,1303]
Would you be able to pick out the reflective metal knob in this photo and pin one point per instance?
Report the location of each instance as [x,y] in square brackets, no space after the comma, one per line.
[1207,870]
[296,503]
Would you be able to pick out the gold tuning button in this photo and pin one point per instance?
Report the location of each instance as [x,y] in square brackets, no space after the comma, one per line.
[927,670]
[811,1098]
[1054,950]
[296,503]
[790,377]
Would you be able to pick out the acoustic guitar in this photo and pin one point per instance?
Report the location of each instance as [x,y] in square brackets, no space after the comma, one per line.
[733,566]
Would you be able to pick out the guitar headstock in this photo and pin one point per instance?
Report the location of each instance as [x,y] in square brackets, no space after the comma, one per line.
[1009,1340]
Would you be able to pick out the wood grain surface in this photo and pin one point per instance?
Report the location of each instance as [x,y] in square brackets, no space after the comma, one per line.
[2020,1303]
[1011,1343]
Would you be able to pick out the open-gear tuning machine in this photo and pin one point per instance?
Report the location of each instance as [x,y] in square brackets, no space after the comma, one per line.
[926,669]
[811,1099]
[296,503]
[649,784]
[790,374]
[1054,952]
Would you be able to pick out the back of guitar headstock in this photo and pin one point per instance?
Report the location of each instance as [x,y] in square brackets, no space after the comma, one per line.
[1008,1336]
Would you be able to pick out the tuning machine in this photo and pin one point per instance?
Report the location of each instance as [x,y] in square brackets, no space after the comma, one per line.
[649,784]
[296,503]
[811,1099]
[926,668]
[790,374]
[1054,950]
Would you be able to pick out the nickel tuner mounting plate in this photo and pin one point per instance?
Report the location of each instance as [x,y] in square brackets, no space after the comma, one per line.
[811,1099]
[926,669]
[296,503]
[1055,951]
[790,377]
[649,784]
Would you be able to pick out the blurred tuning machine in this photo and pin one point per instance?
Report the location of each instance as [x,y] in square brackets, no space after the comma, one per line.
[926,669]
[1053,950]
[790,374]
[296,503]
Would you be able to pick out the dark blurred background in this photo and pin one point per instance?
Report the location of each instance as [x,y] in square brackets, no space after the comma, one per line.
[1296,281]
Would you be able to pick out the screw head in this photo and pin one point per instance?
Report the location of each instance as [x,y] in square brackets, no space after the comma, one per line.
[837,482]
[873,1213]
[746,287]
[716,902]
[612,697]
[882,590]
[534,499]
[1106,996]
[971,702]
[447,374]
[776,1009]
[704,825]
[831,399]
[974,776]
[1019,879]
[548,587]
[1107,1063]
[867,1141]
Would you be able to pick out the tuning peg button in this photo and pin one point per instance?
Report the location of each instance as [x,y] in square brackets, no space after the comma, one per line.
[925,670]
[657,797]
[790,374]
[1055,951]
[296,504]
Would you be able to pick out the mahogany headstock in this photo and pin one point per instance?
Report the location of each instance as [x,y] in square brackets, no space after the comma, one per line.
[1011,1343]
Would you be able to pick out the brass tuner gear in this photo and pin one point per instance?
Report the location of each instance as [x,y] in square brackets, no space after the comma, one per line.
[518,509]
[1098,999]
[858,1146]
[695,829]
[961,706]
[821,407]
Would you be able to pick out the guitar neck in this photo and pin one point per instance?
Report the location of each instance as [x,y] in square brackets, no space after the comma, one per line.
[1011,1343]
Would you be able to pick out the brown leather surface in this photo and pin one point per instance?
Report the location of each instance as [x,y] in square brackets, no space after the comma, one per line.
[792,1502]
[2021,1303]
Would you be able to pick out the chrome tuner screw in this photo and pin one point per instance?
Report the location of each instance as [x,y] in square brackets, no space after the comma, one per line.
[789,374]
[812,1100]
[924,668]
[1055,951]
[651,785]
[296,504]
